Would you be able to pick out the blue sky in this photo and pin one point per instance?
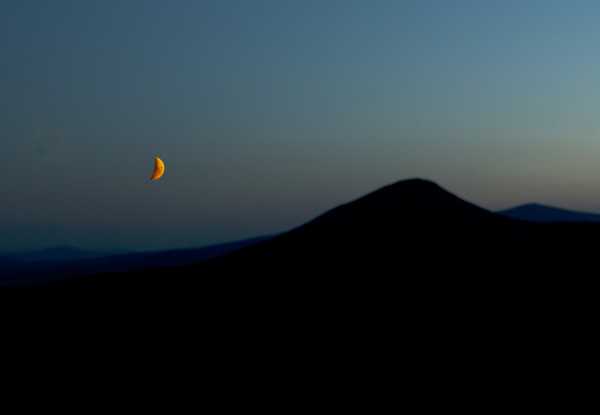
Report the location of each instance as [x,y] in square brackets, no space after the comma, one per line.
[269,112]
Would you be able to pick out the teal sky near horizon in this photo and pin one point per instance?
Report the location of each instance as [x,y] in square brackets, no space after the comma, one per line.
[269,112]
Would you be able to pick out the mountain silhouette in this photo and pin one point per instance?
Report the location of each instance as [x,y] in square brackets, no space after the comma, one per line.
[401,201]
[393,235]
[411,221]
[409,272]
[535,212]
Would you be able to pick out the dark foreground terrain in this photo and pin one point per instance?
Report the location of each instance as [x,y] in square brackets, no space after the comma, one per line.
[408,282]
[409,246]
[409,237]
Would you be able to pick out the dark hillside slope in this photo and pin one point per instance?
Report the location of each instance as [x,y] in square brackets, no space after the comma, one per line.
[409,270]
[411,233]
[409,223]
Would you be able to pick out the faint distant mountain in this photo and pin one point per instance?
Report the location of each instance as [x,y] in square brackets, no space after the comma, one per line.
[57,253]
[65,261]
[534,212]
[141,260]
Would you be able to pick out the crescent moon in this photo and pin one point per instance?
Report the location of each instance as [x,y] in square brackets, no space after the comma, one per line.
[159,169]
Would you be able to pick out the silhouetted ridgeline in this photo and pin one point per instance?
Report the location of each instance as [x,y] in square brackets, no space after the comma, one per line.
[409,277]
[411,233]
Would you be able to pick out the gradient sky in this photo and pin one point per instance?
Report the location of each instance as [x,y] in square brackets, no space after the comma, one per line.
[267,113]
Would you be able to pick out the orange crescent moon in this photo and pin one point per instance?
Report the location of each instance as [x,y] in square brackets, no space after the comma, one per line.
[159,169]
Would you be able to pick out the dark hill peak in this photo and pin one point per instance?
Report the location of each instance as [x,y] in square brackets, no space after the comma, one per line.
[406,201]
[415,183]
[410,216]
[415,194]
[409,190]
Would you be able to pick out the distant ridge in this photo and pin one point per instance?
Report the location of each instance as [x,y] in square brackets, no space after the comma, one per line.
[56,253]
[535,212]
[68,261]
[397,234]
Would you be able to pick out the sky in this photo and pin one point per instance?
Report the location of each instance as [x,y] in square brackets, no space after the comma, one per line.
[269,112]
